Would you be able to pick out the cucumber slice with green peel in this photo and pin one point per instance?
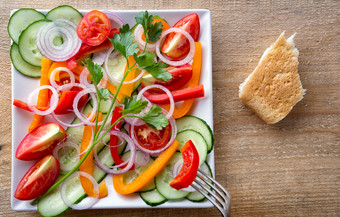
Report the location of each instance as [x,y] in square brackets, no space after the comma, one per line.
[20,20]
[53,205]
[105,105]
[27,43]
[65,12]
[152,198]
[21,66]
[196,196]
[198,141]
[116,67]
[131,175]
[164,177]
[199,125]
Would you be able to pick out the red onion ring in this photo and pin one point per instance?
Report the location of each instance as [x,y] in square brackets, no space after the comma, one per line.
[116,20]
[68,86]
[166,90]
[62,146]
[59,69]
[141,43]
[114,169]
[172,122]
[63,28]
[84,75]
[190,55]
[142,158]
[53,102]
[89,201]
[175,171]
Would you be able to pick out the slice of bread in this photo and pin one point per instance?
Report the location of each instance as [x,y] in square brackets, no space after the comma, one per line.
[274,87]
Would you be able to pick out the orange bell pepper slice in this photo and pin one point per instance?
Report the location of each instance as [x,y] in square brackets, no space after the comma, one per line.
[147,175]
[87,166]
[44,96]
[185,107]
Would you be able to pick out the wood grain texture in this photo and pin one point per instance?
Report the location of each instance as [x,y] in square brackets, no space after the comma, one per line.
[288,169]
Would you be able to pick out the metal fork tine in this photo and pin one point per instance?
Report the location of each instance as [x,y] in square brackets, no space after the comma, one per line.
[202,185]
[215,182]
[207,182]
[196,186]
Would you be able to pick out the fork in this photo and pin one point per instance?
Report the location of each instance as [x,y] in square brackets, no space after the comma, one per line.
[218,196]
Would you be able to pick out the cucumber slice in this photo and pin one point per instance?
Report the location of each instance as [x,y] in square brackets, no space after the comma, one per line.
[198,141]
[164,177]
[152,198]
[116,66]
[199,125]
[105,105]
[21,66]
[196,196]
[53,205]
[131,175]
[20,20]
[27,43]
[65,12]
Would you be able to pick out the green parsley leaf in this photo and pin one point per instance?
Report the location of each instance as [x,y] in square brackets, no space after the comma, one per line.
[155,31]
[95,71]
[133,106]
[145,59]
[154,118]
[145,20]
[157,70]
[124,43]
[104,93]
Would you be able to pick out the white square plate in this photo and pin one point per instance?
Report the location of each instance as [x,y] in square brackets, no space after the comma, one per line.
[203,108]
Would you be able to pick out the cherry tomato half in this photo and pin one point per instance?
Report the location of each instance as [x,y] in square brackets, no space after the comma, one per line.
[94,28]
[38,179]
[151,138]
[176,45]
[40,142]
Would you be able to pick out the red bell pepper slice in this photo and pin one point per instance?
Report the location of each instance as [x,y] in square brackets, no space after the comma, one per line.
[86,49]
[114,139]
[178,95]
[189,169]
[22,105]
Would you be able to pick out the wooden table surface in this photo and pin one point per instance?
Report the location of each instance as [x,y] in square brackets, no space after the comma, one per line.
[288,169]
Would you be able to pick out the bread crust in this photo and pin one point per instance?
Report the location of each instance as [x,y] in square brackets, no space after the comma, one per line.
[274,87]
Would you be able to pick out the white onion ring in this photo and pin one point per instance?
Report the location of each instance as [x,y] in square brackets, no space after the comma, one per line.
[190,55]
[89,201]
[53,102]
[99,57]
[142,158]
[139,30]
[167,91]
[87,120]
[63,28]
[114,169]
[68,86]
[172,123]
[115,19]
[175,171]
[59,69]
[63,145]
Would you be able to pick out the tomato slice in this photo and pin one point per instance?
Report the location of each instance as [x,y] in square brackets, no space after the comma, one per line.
[180,77]
[40,142]
[151,138]
[94,28]
[38,179]
[176,45]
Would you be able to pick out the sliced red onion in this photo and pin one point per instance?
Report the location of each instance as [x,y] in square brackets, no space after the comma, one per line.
[53,101]
[139,31]
[68,86]
[59,69]
[115,169]
[172,123]
[142,158]
[190,55]
[87,120]
[116,20]
[87,202]
[84,75]
[167,91]
[62,146]
[99,57]
[175,171]
[64,29]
